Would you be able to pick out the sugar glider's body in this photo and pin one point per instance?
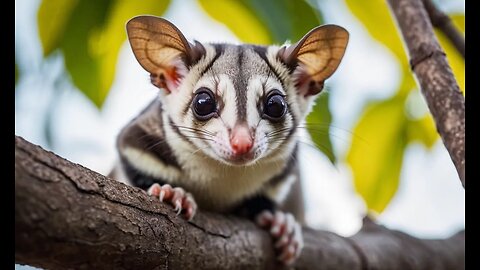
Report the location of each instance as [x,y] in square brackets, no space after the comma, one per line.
[223,132]
[153,149]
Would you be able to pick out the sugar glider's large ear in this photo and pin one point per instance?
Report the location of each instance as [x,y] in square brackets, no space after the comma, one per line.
[162,50]
[315,57]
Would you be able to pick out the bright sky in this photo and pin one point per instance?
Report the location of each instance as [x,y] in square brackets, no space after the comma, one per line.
[430,201]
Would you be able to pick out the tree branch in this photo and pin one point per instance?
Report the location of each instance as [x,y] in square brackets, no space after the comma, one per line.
[444,23]
[436,79]
[67,216]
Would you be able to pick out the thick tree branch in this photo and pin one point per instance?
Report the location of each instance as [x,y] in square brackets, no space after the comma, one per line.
[436,79]
[67,216]
[444,23]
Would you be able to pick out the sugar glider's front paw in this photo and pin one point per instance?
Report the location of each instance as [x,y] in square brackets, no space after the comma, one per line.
[286,232]
[177,197]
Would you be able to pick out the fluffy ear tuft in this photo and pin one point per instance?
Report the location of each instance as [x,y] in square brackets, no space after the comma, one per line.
[162,50]
[315,57]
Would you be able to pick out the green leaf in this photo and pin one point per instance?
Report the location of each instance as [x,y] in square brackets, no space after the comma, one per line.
[53,17]
[377,150]
[105,43]
[84,68]
[318,125]
[422,130]
[286,20]
[264,22]
[91,39]
[458,20]
[237,16]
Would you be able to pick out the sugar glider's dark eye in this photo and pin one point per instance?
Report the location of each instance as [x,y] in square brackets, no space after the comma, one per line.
[275,106]
[204,105]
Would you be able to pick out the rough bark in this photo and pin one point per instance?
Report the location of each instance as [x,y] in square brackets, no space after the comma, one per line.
[67,216]
[435,77]
[441,21]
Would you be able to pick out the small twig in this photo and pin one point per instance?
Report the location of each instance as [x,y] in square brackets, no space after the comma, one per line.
[441,21]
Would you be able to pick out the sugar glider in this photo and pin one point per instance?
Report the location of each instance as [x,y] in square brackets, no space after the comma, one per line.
[222,133]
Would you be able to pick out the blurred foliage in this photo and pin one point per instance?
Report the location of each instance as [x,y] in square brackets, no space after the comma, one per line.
[89,34]
[384,125]
[318,124]
[376,152]
[264,21]
[285,19]
[458,20]
[241,20]
[420,130]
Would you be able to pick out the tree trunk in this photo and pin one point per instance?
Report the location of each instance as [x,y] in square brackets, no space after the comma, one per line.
[67,216]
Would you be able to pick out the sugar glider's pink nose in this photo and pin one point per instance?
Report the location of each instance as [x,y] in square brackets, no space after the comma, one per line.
[240,139]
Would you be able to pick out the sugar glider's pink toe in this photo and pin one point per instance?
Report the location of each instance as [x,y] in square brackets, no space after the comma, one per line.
[286,233]
[182,201]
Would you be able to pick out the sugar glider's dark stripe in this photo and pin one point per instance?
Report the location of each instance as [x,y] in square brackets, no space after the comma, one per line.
[240,84]
[219,49]
[262,52]
[253,206]
[139,179]
[152,144]
[287,170]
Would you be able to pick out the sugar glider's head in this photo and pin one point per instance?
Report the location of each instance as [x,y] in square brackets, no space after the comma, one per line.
[237,104]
